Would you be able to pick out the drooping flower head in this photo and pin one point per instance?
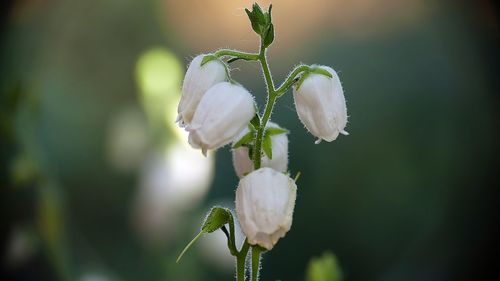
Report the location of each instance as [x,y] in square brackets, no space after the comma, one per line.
[321,106]
[222,113]
[199,78]
[265,200]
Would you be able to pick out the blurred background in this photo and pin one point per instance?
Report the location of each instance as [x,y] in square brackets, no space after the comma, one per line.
[98,183]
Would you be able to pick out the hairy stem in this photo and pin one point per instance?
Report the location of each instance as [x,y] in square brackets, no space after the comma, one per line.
[290,80]
[240,261]
[271,99]
[237,54]
[255,262]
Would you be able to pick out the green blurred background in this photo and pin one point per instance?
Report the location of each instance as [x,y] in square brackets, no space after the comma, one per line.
[98,184]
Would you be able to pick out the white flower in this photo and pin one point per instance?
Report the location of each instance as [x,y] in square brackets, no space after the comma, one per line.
[320,104]
[197,81]
[243,164]
[265,200]
[222,113]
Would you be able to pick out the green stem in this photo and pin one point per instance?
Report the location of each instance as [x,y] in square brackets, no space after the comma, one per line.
[240,261]
[290,80]
[231,242]
[255,262]
[271,99]
[265,70]
[237,54]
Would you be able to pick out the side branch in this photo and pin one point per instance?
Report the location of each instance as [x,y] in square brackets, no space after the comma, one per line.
[236,54]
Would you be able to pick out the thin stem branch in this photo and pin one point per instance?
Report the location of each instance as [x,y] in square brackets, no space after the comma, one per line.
[236,54]
[290,80]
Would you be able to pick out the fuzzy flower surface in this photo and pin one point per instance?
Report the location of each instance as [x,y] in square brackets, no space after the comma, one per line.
[265,200]
[198,79]
[321,106]
[222,113]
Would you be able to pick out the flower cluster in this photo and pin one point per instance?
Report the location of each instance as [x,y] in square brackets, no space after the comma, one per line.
[217,111]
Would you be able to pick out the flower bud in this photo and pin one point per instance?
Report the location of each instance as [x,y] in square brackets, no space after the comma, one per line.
[265,200]
[222,113]
[320,104]
[279,162]
[197,81]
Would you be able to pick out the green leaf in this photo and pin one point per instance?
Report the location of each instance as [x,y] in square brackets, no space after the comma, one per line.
[275,131]
[269,36]
[246,139]
[255,122]
[324,268]
[216,219]
[267,146]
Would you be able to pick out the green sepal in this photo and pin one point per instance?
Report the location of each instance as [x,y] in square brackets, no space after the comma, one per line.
[255,122]
[270,131]
[246,139]
[268,38]
[319,70]
[216,219]
[262,23]
[313,70]
[267,146]
[209,58]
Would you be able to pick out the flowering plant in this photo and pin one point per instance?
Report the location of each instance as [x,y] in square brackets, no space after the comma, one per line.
[216,111]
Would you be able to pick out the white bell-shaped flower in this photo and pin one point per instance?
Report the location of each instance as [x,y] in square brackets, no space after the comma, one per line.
[265,200]
[321,106]
[279,162]
[222,113]
[197,81]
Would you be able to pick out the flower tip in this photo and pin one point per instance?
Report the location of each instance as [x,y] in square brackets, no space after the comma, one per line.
[318,141]
[344,133]
[204,152]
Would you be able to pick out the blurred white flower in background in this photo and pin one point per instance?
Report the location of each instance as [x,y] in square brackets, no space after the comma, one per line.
[170,183]
[128,139]
[21,246]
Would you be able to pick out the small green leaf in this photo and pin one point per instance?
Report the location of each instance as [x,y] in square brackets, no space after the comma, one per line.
[216,219]
[246,139]
[269,36]
[255,122]
[275,131]
[267,146]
